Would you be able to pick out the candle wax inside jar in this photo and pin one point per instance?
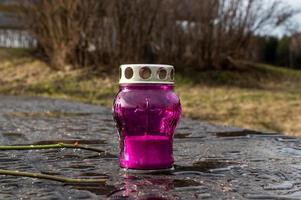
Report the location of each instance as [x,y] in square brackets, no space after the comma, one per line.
[147,152]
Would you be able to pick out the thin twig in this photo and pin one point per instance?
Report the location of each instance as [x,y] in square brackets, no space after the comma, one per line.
[51,177]
[49,146]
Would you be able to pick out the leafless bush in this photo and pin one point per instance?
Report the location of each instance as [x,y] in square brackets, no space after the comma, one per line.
[57,25]
[195,33]
[135,22]
[219,30]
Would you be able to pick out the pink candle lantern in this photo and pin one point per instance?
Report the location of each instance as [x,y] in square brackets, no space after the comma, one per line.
[146,111]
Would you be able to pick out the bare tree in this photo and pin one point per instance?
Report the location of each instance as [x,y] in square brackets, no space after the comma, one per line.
[57,25]
[220,30]
[295,51]
[134,23]
[195,33]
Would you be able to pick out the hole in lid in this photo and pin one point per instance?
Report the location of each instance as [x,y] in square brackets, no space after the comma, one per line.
[128,73]
[162,74]
[172,74]
[145,73]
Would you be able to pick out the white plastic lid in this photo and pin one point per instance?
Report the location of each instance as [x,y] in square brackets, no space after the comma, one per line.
[146,73]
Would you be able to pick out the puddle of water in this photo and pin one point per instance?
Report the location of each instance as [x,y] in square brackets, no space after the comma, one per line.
[232,134]
[223,169]
[79,166]
[206,166]
[291,151]
[297,166]
[296,195]
[71,156]
[101,155]
[185,183]
[203,196]
[233,152]
[286,185]
[45,114]
[144,188]
[51,173]
[9,160]
[93,175]
[79,141]
[12,136]
[243,133]
[98,189]
[291,196]
[181,135]
[287,139]
[191,186]
[196,173]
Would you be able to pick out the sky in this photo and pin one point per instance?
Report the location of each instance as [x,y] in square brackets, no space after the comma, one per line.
[296,4]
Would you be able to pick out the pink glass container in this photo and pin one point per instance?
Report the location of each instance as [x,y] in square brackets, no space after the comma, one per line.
[146,111]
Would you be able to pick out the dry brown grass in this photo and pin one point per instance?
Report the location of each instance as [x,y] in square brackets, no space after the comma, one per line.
[269,101]
[249,108]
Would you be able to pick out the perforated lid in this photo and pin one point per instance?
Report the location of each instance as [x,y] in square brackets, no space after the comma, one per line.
[146,73]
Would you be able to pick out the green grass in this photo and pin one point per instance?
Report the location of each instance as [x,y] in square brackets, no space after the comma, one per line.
[256,96]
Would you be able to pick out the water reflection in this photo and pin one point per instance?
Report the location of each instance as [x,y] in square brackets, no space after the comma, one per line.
[144,187]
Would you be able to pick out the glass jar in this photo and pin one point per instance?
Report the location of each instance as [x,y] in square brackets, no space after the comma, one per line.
[146,111]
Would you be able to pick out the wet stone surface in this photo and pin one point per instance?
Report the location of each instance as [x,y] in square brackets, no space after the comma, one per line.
[212,162]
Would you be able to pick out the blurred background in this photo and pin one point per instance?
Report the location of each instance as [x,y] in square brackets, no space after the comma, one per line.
[238,62]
